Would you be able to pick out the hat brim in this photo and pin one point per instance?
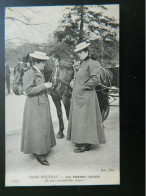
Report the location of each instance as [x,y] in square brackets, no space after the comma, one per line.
[81,48]
[38,57]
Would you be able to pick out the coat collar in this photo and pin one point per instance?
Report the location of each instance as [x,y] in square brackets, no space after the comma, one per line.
[83,62]
[86,59]
[38,72]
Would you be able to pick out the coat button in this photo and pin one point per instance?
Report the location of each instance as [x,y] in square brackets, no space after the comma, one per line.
[44,102]
[47,102]
[43,95]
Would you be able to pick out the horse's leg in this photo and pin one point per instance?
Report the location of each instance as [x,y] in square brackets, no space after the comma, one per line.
[104,104]
[57,103]
[66,103]
[101,103]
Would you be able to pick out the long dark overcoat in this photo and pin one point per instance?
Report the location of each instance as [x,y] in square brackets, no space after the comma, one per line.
[85,122]
[38,133]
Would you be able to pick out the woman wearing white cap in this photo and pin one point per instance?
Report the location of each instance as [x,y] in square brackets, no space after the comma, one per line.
[85,123]
[38,133]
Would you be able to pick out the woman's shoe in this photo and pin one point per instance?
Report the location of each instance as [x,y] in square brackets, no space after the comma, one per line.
[86,147]
[42,160]
[79,145]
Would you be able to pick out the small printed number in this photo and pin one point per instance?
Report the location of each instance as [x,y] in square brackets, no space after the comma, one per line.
[15,181]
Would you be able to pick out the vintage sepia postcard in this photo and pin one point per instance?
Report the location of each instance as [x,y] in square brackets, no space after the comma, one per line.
[62,95]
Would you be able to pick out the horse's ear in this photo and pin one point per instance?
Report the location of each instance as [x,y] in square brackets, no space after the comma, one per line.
[27,57]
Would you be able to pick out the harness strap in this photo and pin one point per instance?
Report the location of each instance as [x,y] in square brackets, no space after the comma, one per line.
[51,75]
[64,82]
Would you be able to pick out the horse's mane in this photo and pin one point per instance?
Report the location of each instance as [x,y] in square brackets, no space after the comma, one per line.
[66,65]
[66,71]
[26,58]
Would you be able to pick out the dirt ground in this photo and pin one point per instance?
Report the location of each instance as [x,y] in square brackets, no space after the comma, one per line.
[62,159]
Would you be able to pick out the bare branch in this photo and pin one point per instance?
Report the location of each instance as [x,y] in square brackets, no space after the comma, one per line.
[29,8]
[15,19]
[10,9]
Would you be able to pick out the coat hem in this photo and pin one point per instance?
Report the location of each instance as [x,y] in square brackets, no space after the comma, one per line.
[85,142]
[30,152]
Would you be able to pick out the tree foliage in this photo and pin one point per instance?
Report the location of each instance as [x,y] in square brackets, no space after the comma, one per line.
[79,23]
[87,23]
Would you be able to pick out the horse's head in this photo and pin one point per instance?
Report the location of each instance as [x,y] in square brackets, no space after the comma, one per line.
[55,72]
[49,68]
[19,71]
[63,72]
[67,72]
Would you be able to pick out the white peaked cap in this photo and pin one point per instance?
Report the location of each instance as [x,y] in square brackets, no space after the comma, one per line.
[81,46]
[39,55]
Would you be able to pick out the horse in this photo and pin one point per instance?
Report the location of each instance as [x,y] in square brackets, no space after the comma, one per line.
[61,76]
[19,71]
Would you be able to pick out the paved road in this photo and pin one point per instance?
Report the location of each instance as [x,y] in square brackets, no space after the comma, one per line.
[102,160]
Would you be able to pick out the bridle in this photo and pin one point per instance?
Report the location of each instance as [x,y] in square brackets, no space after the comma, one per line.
[56,78]
[18,69]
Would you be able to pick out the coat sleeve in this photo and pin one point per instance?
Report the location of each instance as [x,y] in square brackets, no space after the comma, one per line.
[94,72]
[29,84]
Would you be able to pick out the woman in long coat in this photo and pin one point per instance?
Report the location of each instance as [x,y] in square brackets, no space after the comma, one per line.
[38,133]
[85,122]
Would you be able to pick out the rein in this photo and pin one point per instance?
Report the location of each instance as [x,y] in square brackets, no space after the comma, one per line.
[108,93]
[49,80]
[68,84]
[56,77]
[64,82]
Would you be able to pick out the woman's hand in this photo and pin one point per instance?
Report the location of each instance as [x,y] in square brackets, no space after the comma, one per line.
[48,85]
[72,84]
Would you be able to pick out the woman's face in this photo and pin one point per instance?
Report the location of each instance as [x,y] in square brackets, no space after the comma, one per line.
[82,54]
[40,65]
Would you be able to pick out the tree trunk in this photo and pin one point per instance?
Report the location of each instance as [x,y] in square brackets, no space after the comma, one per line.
[101,42]
[81,32]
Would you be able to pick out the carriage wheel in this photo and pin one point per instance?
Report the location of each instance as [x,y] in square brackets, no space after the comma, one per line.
[105,112]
